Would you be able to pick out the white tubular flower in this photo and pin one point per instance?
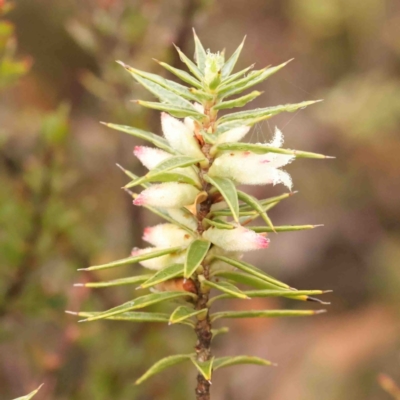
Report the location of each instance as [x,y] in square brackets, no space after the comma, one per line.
[183,217]
[167,195]
[237,239]
[159,262]
[233,135]
[167,235]
[245,167]
[180,137]
[150,157]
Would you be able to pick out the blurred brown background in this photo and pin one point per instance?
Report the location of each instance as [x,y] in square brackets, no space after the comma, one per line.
[61,207]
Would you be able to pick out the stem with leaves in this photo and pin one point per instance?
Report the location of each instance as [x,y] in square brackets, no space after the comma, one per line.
[192,184]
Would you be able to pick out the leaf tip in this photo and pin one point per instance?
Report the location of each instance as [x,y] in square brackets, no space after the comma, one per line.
[71,312]
[320,311]
[78,285]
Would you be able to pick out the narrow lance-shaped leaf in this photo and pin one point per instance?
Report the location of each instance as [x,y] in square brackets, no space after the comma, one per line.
[141,134]
[236,76]
[163,177]
[226,287]
[137,316]
[175,87]
[200,53]
[239,102]
[252,202]
[140,302]
[218,223]
[195,254]
[190,64]
[228,191]
[163,364]
[266,112]
[30,395]
[174,162]
[263,149]
[133,259]
[264,314]
[170,272]
[251,269]
[219,331]
[116,282]
[230,64]
[283,228]
[223,362]
[183,75]
[205,367]
[176,111]
[183,313]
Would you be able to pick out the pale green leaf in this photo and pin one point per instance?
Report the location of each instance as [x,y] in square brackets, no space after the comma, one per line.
[183,75]
[134,259]
[183,313]
[137,316]
[239,102]
[30,395]
[164,177]
[230,64]
[158,141]
[195,254]
[228,191]
[200,53]
[227,288]
[190,64]
[161,365]
[219,331]
[170,272]
[263,149]
[176,111]
[283,228]
[264,314]
[265,113]
[223,362]
[117,282]
[236,75]
[174,162]
[204,367]
[252,270]
[218,223]
[140,302]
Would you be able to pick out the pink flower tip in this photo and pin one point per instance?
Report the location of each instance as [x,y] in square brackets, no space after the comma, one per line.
[139,201]
[146,233]
[138,150]
[262,242]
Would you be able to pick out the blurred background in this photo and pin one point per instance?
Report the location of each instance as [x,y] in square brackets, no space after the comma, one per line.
[61,207]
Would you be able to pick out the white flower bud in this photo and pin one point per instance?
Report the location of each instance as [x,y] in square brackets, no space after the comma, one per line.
[180,137]
[237,239]
[218,265]
[233,135]
[167,235]
[167,195]
[158,263]
[150,157]
[183,217]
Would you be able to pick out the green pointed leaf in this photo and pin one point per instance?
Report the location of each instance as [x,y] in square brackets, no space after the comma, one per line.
[195,255]
[136,316]
[132,176]
[205,367]
[183,313]
[161,365]
[190,64]
[30,395]
[264,314]
[252,270]
[266,112]
[230,64]
[133,259]
[253,78]
[263,149]
[283,228]
[223,362]
[239,102]
[174,87]
[228,191]
[253,203]
[176,111]
[170,272]
[270,200]
[235,76]
[174,162]
[158,141]
[220,331]
[140,302]
[164,177]
[227,288]
[183,75]
[200,53]
[164,95]
[117,282]
[218,223]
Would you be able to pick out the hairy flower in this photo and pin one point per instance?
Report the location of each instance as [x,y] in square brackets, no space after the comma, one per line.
[167,235]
